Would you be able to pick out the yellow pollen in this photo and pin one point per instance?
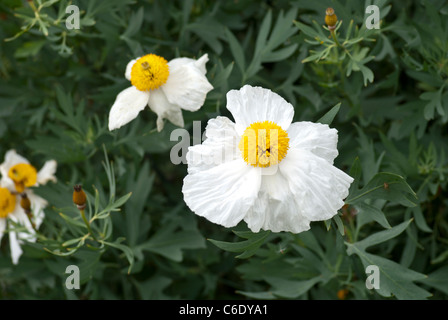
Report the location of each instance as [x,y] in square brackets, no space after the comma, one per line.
[24,175]
[264,144]
[7,202]
[149,72]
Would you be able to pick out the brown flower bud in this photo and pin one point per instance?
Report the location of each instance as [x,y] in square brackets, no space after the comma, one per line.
[79,197]
[25,203]
[330,18]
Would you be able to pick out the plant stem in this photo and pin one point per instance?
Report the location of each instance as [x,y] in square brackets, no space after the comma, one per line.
[83,215]
[335,38]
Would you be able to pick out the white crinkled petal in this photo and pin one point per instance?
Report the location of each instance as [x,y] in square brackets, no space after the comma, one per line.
[319,187]
[129,66]
[223,194]
[315,137]
[127,106]
[254,104]
[219,146]
[159,104]
[275,208]
[199,63]
[2,227]
[16,250]
[47,173]
[186,86]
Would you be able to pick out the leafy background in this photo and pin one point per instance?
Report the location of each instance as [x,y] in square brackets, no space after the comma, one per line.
[56,90]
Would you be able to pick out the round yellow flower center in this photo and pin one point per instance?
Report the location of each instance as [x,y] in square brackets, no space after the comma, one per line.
[24,175]
[149,72]
[264,144]
[7,202]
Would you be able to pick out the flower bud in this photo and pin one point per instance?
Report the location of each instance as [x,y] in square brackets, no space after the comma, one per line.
[330,18]
[25,203]
[342,294]
[79,197]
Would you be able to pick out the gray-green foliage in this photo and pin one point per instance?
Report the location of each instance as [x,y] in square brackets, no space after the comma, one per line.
[384,90]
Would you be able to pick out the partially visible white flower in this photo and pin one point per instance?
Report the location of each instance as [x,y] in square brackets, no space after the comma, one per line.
[276,175]
[17,175]
[166,87]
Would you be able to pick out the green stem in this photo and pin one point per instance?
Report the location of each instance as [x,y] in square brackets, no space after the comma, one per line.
[83,215]
[335,38]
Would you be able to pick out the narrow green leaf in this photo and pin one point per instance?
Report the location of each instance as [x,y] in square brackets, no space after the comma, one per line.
[328,117]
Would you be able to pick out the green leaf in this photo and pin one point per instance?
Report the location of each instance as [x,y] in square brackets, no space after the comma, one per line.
[237,50]
[368,212]
[381,236]
[135,23]
[72,221]
[387,186]
[395,279]
[28,49]
[290,288]
[170,243]
[126,250]
[438,279]
[328,117]
[435,103]
[247,247]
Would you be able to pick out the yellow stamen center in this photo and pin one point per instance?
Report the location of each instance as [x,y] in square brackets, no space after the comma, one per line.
[264,144]
[149,72]
[24,175]
[7,202]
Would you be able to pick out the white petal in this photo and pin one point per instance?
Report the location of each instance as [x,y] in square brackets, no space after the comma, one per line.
[275,208]
[38,205]
[253,104]
[200,63]
[223,194]
[315,137]
[47,172]
[186,86]
[129,66]
[319,187]
[2,227]
[16,250]
[19,217]
[127,106]
[159,103]
[219,146]
[11,159]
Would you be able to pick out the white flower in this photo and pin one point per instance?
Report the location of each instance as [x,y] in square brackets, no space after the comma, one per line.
[281,182]
[17,175]
[166,87]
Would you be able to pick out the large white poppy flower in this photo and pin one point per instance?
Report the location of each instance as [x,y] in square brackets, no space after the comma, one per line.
[17,175]
[263,169]
[166,87]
